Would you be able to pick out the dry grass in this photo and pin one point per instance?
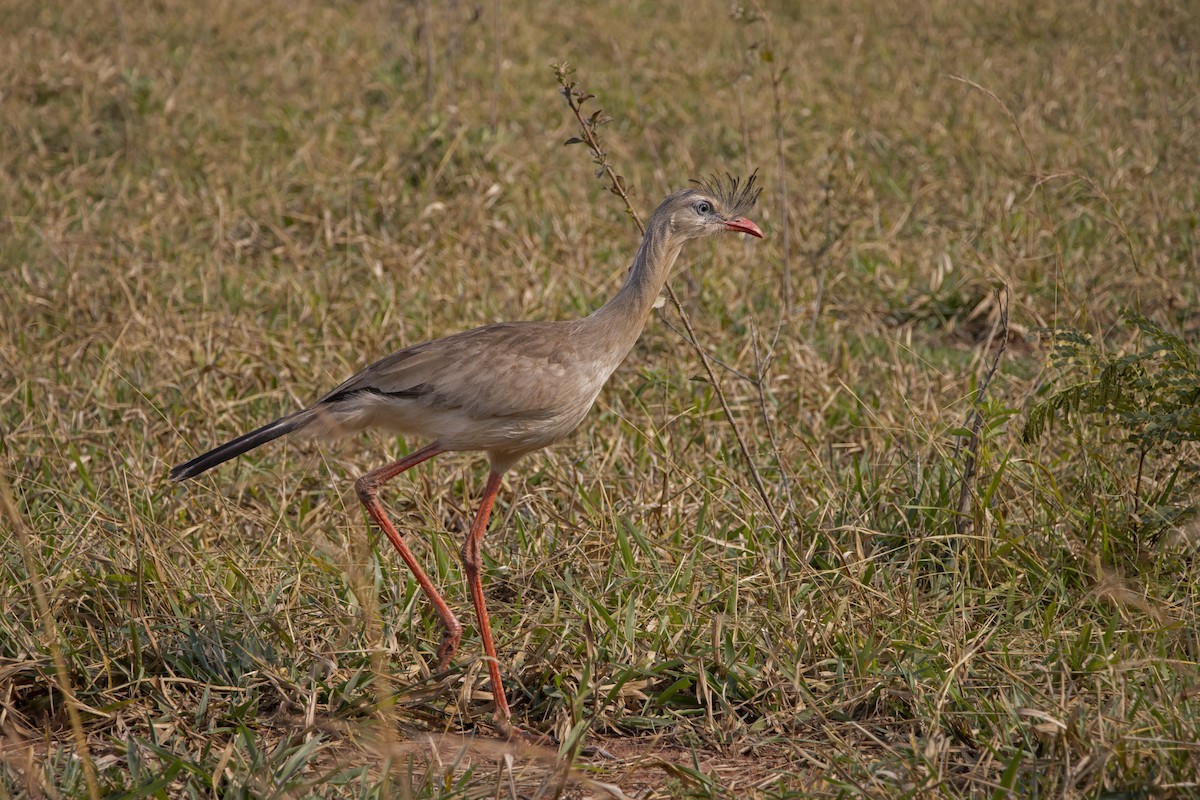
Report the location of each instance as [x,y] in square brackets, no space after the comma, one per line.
[213,212]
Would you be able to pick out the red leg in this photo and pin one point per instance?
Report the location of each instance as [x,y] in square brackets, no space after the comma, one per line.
[367,488]
[473,564]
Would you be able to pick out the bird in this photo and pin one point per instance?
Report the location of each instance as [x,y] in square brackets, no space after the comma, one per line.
[506,389]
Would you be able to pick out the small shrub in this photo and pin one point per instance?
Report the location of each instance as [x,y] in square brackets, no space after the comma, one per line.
[1149,397]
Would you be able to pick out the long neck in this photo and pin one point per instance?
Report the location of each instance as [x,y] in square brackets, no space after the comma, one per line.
[619,322]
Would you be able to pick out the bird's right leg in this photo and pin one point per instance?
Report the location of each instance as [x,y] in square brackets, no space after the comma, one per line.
[367,488]
[473,566]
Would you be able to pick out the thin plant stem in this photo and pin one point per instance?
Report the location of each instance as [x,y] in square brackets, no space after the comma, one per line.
[9,507]
[974,421]
[777,73]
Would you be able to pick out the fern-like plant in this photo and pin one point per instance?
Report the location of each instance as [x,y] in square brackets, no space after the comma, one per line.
[1151,397]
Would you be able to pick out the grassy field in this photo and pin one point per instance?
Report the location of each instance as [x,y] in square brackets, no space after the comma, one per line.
[212,213]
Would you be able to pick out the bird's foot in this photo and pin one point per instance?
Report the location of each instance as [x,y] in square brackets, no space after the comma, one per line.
[515,733]
[448,648]
[596,751]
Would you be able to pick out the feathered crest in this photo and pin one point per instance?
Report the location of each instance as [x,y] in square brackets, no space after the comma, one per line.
[735,197]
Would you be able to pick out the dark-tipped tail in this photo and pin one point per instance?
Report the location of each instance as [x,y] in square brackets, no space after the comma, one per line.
[242,444]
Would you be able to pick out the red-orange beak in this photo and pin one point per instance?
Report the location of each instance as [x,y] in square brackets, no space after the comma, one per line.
[743,225]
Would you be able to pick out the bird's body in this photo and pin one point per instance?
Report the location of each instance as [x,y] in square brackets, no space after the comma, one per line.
[532,386]
[506,389]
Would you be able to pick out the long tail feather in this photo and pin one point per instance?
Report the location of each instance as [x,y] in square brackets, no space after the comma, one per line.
[242,444]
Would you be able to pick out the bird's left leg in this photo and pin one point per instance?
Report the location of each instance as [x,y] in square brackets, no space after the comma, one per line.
[367,488]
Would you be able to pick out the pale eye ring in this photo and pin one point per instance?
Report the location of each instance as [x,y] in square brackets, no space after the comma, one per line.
[704,207]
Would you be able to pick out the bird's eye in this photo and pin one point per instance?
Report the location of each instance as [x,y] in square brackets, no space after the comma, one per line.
[704,207]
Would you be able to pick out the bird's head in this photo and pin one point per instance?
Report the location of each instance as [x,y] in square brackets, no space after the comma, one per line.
[713,206]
